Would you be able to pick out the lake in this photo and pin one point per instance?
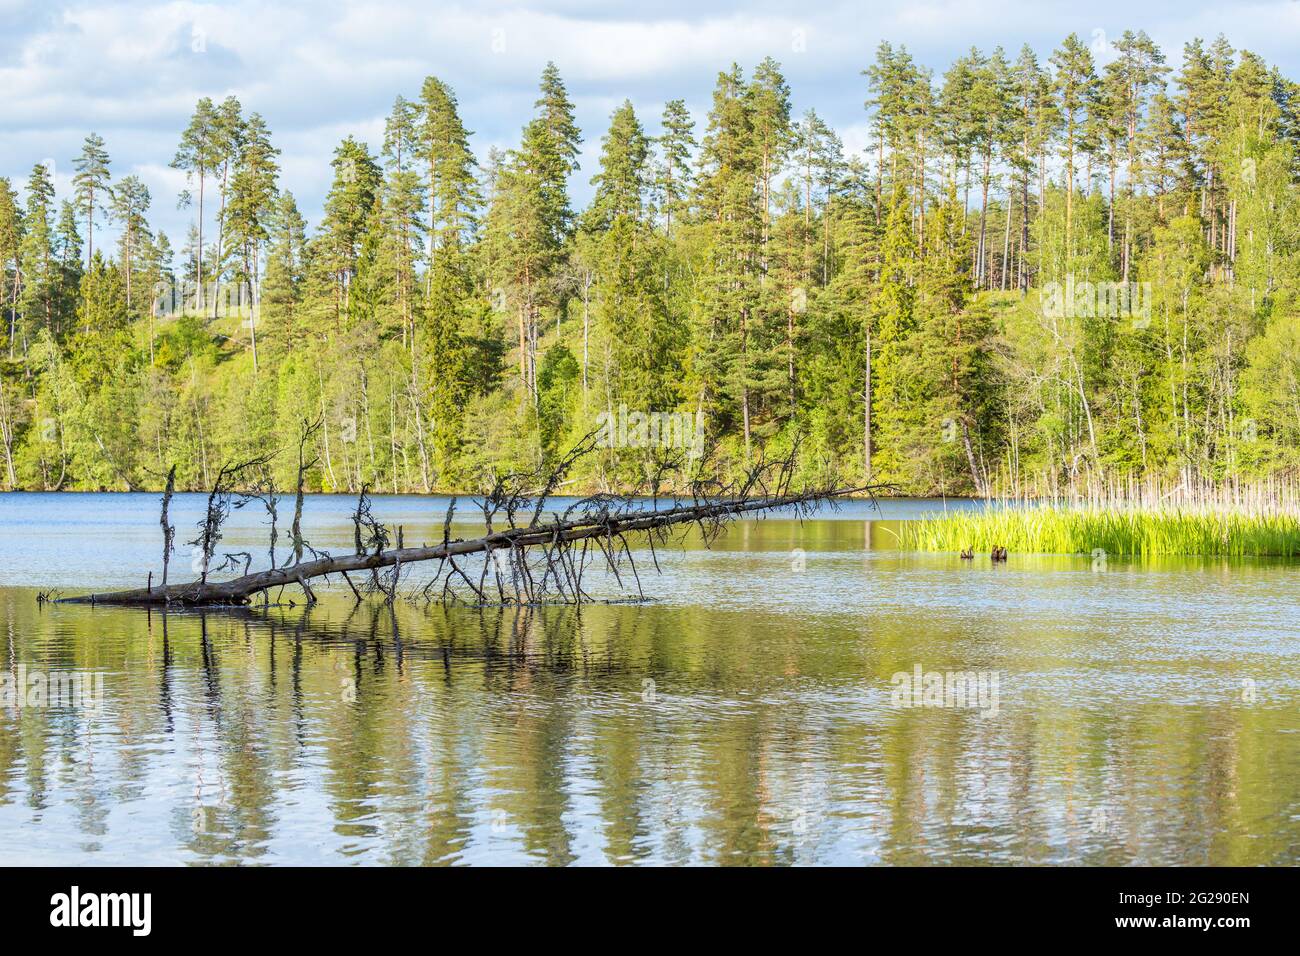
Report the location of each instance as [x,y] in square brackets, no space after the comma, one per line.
[758,709]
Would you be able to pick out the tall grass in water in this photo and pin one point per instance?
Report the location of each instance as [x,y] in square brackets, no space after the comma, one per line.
[1251,530]
[1279,491]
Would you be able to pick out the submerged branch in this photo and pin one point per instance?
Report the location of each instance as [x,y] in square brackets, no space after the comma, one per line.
[603,529]
[563,543]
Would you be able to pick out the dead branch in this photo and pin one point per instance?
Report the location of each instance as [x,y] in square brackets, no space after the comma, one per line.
[295,530]
[168,529]
[532,561]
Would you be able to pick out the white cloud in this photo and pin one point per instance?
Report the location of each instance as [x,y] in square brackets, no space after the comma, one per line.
[131,70]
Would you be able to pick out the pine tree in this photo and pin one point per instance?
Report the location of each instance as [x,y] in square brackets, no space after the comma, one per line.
[891,80]
[453,201]
[894,406]
[959,120]
[530,218]
[40,278]
[448,368]
[92,179]
[287,267]
[1136,76]
[551,145]
[349,206]
[67,251]
[130,204]
[952,355]
[817,152]
[403,205]
[229,137]
[836,379]
[769,105]
[726,312]
[199,153]
[252,203]
[453,194]
[1034,125]
[252,197]
[1076,86]
[11,262]
[521,251]
[990,100]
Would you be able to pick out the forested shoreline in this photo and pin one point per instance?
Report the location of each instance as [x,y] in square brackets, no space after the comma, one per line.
[1074,270]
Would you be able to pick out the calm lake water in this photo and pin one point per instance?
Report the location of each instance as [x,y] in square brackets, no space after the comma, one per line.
[1130,713]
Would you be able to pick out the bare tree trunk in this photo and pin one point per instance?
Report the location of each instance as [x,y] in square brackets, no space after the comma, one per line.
[519,500]
[602,528]
[866,411]
[7,434]
[169,532]
[198,263]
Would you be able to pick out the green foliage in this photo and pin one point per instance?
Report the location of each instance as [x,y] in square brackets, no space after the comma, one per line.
[1110,531]
[1038,276]
[183,341]
[91,185]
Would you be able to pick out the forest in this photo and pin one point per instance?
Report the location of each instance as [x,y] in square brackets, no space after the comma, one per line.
[1074,269]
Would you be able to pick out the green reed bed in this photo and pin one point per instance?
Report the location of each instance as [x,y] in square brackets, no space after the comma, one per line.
[1136,531]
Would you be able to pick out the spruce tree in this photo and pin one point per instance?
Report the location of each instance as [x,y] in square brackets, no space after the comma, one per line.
[673,176]
[621,180]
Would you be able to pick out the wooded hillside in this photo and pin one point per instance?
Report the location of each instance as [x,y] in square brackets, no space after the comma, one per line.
[1080,267]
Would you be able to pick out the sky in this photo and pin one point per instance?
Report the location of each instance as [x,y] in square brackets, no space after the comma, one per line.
[319,71]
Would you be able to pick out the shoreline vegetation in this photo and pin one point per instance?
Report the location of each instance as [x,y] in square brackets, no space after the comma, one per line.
[1259,520]
[1114,530]
[1134,519]
[1277,492]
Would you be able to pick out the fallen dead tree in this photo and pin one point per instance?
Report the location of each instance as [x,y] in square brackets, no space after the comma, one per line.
[532,559]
